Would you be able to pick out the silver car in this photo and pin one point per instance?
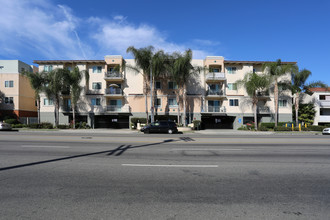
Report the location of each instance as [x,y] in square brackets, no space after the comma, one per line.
[326,131]
[4,126]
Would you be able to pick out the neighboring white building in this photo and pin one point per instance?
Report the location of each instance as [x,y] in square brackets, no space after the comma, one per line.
[112,97]
[321,100]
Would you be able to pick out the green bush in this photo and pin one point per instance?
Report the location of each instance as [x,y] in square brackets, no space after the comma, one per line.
[262,128]
[18,125]
[46,125]
[12,121]
[305,129]
[197,124]
[34,125]
[63,126]
[316,128]
[281,128]
[242,128]
[269,125]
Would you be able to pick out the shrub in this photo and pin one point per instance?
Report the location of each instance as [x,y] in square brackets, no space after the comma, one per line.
[269,125]
[305,129]
[46,125]
[250,126]
[242,128]
[63,126]
[12,121]
[18,126]
[262,128]
[34,125]
[281,128]
[197,124]
[316,128]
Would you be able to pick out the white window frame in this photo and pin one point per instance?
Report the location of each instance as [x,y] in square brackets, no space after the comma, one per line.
[48,68]
[96,83]
[283,103]
[48,102]
[97,101]
[9,100]
[9,83]
[231,69]
[235,101]
[232,86]
[172,106]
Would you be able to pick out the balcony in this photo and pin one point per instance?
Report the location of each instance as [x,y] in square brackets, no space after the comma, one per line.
[113,92]
[324,118]
[324,103]
[113,76]
[215,109]
[66,108]
[215,94]
[215,77]
[117,108]
[263,110]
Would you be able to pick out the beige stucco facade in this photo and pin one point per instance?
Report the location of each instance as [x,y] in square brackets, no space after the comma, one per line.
[115,92]
[17,96]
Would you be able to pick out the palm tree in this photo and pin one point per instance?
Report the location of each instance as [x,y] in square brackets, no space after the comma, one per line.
[299,86]
[55,83]
[152,65]
[181,70]
[276,70]
[254,83]
[73,79]
[37,81]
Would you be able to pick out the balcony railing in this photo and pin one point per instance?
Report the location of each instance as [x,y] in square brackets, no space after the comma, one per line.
[219,109]
[214,92]
[113,91]
[117,108]
[215,77]
[325,103]
[113,75]
[324,118]
[263,109]
[66,108]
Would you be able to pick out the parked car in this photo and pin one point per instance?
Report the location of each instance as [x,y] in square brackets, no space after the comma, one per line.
[326,131]
[161,127]
[4,126]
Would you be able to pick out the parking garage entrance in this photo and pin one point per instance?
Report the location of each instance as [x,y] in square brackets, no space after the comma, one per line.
[111,121]
[217,122]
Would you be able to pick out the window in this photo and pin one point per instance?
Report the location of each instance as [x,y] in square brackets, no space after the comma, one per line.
[48,102]
[283,103]
[214,70]
[158,85]
[158,102]
[233,102]
[96,85]
[9,100]
[232,86]
[96,101]
[172,85]
[9,83]
[97,69]
[172,102]
[48,68]
[231,70]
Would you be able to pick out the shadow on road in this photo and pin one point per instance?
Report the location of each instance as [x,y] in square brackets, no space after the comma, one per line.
[116,152]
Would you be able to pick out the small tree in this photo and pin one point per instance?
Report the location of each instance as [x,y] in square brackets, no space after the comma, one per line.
[306,113]
[253,83]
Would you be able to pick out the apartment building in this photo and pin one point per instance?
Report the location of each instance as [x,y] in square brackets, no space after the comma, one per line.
[115,94]
[16,95]
[321,100]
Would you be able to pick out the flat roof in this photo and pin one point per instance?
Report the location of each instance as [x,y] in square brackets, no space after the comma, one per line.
[254,62]
[67,61]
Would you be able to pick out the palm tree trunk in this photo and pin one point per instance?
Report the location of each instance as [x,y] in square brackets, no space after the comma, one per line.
[184,105]
[146,96]
[57,109]
[255,115]
[38,110]
[178,103]
[74,115]
[276,102]
[296,105]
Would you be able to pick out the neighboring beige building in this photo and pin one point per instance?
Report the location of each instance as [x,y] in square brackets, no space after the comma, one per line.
[16,95]
[115,94]
[321,100]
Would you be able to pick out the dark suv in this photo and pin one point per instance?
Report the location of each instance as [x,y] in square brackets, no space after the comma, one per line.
[161,127]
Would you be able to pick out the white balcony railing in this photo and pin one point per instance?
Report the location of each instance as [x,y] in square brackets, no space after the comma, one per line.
[117,108]
[218,92]
[324,118]
[113,75]
[215,76]
[216,109]
[325,103]
[263,109]
[113,91]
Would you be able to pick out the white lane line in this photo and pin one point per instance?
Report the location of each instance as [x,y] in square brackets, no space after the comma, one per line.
[169,165]
[43,146]
[204,149]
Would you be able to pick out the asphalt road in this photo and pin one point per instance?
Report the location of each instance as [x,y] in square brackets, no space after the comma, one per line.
[187,176]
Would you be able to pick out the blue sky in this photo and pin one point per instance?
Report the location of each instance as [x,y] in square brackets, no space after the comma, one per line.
[261,30]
